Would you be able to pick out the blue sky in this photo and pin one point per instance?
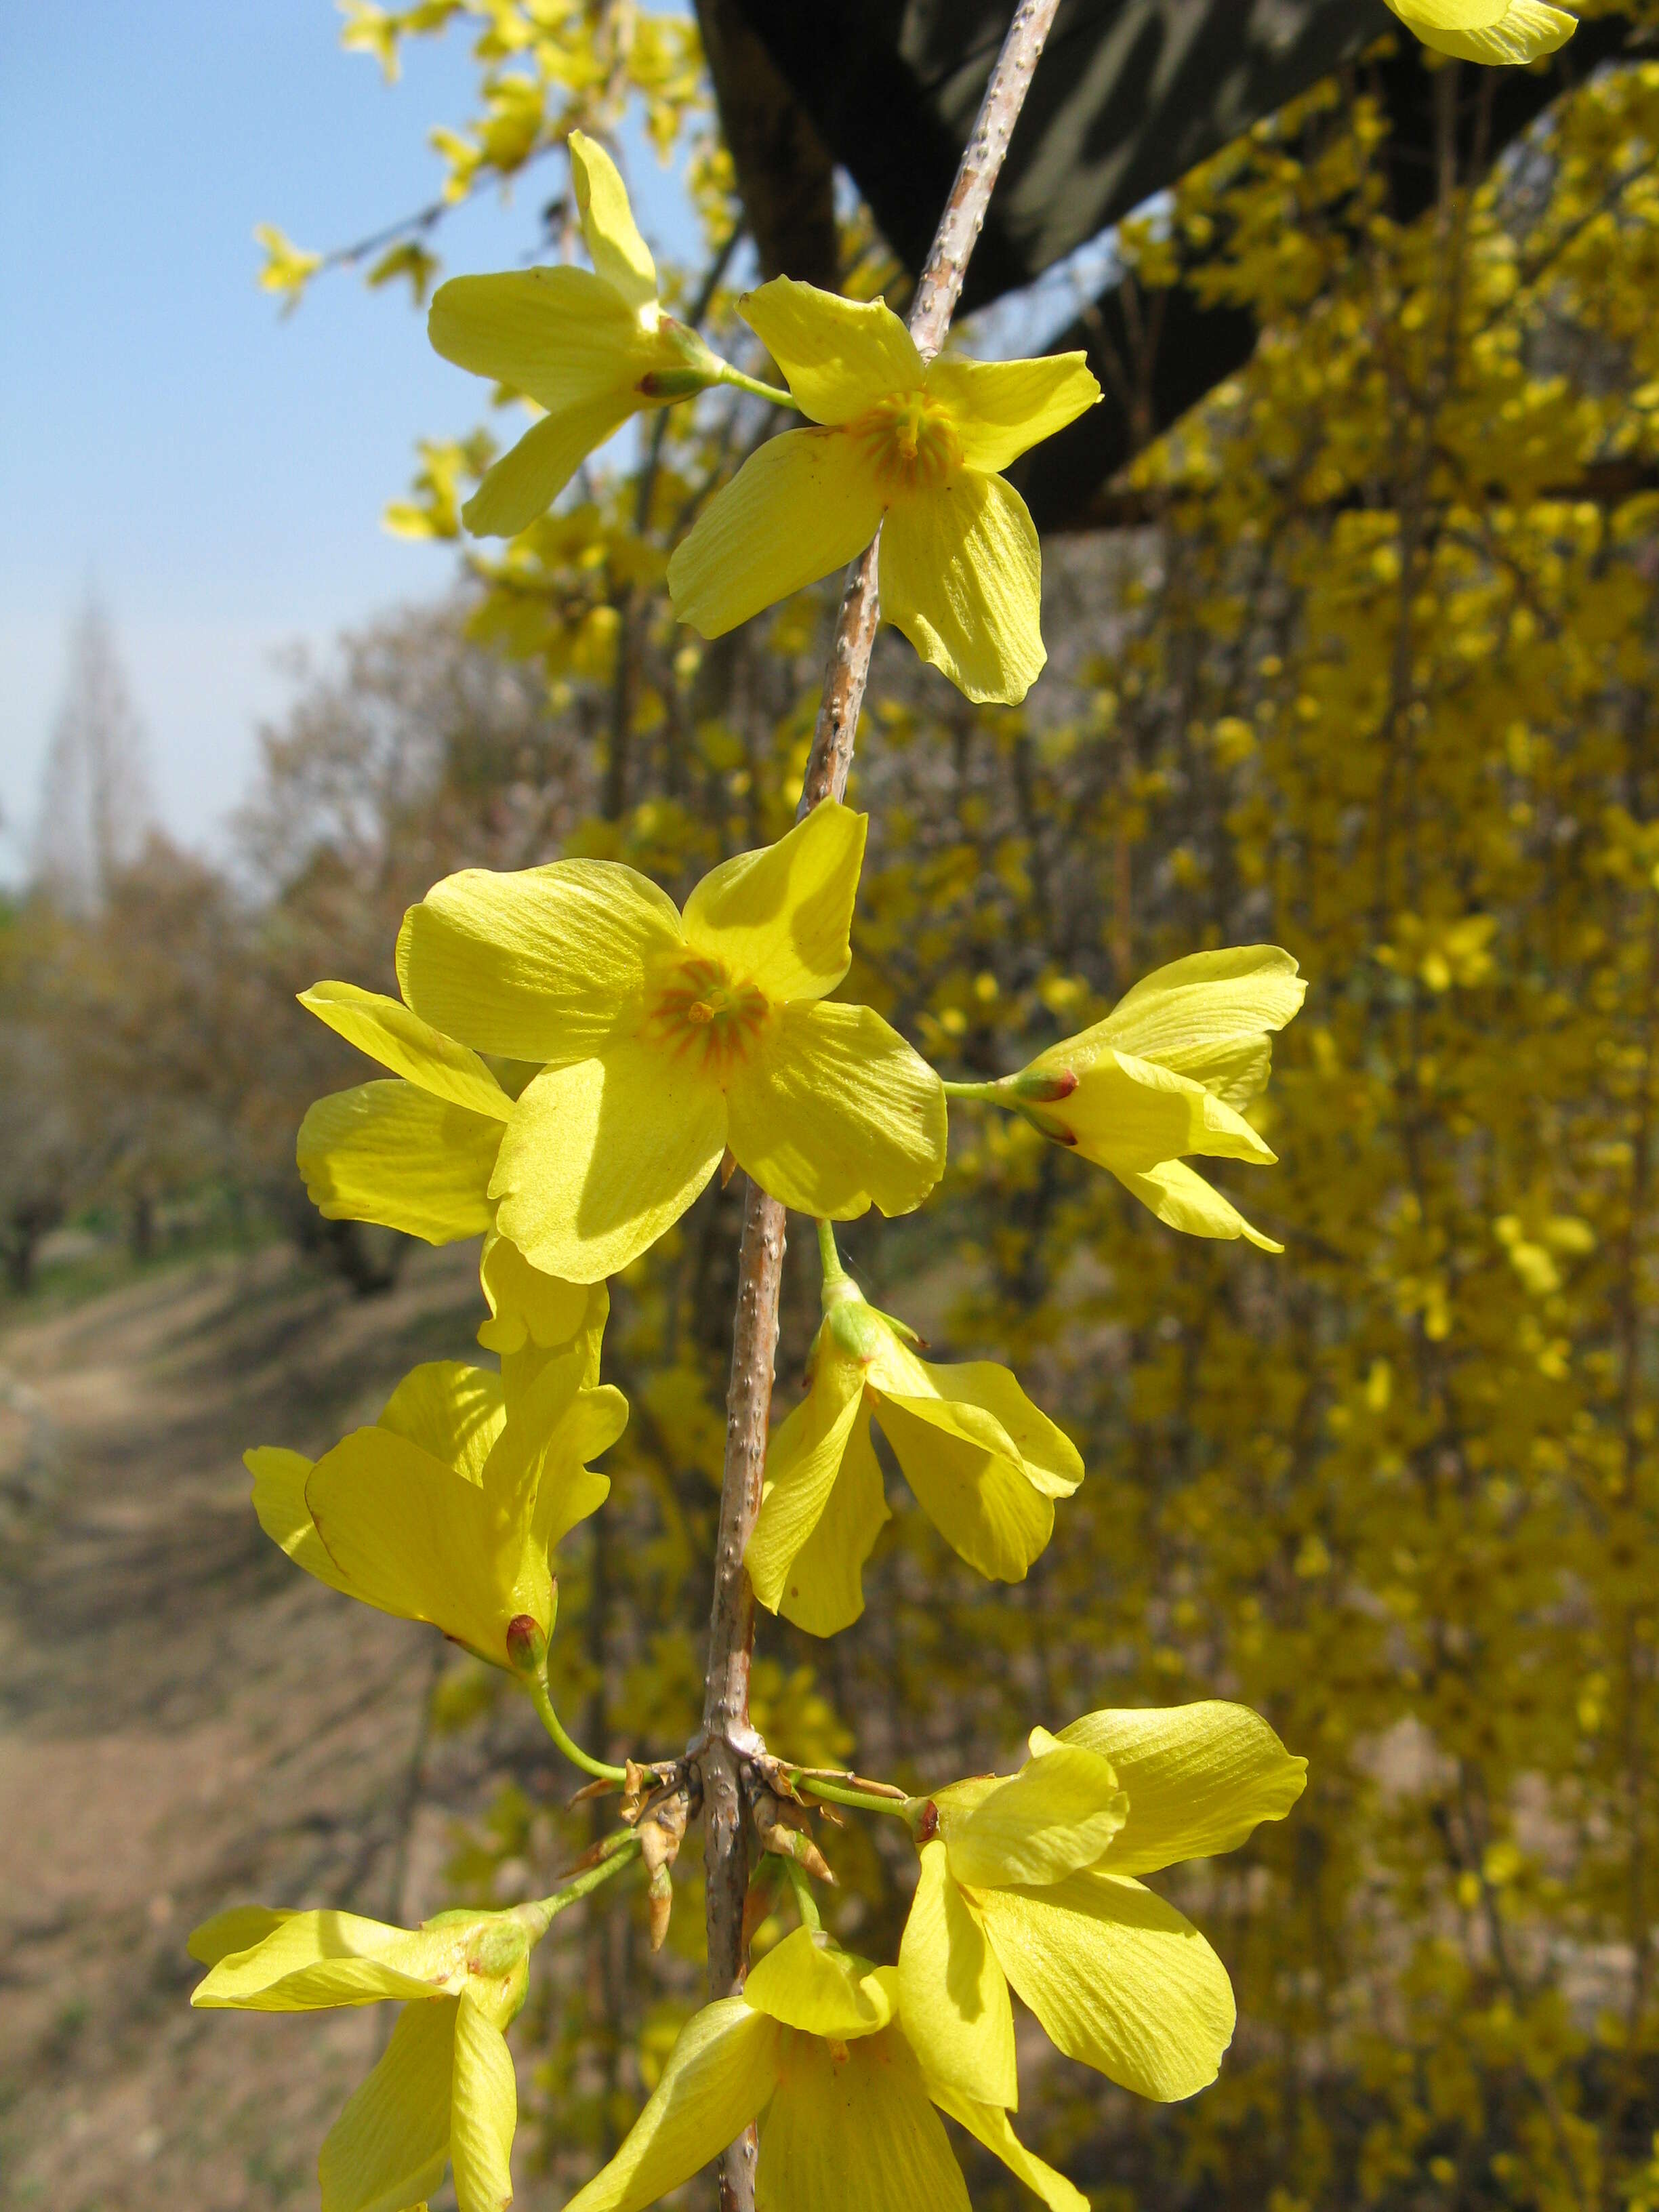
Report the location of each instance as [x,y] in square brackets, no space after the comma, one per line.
[216,471]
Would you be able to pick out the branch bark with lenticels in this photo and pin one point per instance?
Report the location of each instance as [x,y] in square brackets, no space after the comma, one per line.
[728,1743]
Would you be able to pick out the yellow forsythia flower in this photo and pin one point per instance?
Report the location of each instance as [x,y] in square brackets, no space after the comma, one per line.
[815,2050]
[1029,1880]
[662,1038]
[1165,1074]
[448,1508]
[985,1464]
[1496,31]
[593,348]
[443,2091]
[921,445]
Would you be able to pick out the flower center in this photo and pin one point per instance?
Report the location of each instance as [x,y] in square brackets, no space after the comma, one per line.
[698,1010]
[911,440]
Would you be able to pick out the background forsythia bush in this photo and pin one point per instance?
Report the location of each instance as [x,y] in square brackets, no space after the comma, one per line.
[1374,676]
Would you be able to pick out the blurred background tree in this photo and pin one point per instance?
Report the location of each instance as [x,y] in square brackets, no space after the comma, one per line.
[1367,666]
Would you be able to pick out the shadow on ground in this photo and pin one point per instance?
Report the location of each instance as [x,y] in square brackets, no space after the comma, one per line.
[185,1721]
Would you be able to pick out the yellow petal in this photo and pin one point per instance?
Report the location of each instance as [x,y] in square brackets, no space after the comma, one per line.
[1050,1459]
[545,964]
[973,1490]
[825,1593]
[1182,1199]
[1516,31]
[807,503]
[311,1960]
[538,1471]
[1450,14]
[449,1410]
[520,1369]
[279,1499]
[620,254]
[719,2073]
[781,917]
[240,1928]
[484,2112]
[389,2147]
[989,2123]
[526,1305]
[832,1110]
[953,1996]
[803,1462]
[1129,1114]
[1194,1015]
[998,408]
[1120,1979]
[598,1160]
[412,1537]
[962,576]
[1199,1777]
[855,2132]
[529,476]
[389,1153]
[838,356]
[807,1982]
[1059,1812]
[386,1030]
[562,337]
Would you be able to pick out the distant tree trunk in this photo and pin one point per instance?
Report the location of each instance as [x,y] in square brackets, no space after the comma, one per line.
[94,809]
[141,1228]
[28,1222]
[371,1259]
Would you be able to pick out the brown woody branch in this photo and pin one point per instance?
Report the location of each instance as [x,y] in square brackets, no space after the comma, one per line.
[729,1743]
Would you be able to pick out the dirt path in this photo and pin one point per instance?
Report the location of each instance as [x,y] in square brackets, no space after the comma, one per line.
[184,1721]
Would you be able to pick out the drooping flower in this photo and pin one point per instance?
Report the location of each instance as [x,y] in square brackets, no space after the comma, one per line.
[448,1509]
[919,443]
[592,349]
[1166,1074]
[664,1038]
[1493,31]
[816,2050]
[443,2091]
[985,1466]
[1031,1880]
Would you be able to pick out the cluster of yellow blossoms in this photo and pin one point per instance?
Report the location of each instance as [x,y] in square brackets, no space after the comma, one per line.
[570,1062]
[897,445]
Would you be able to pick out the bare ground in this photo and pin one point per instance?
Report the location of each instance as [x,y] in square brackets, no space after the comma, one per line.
[185,1721]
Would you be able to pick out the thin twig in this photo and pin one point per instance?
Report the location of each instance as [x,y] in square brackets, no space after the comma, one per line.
[728,1737]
